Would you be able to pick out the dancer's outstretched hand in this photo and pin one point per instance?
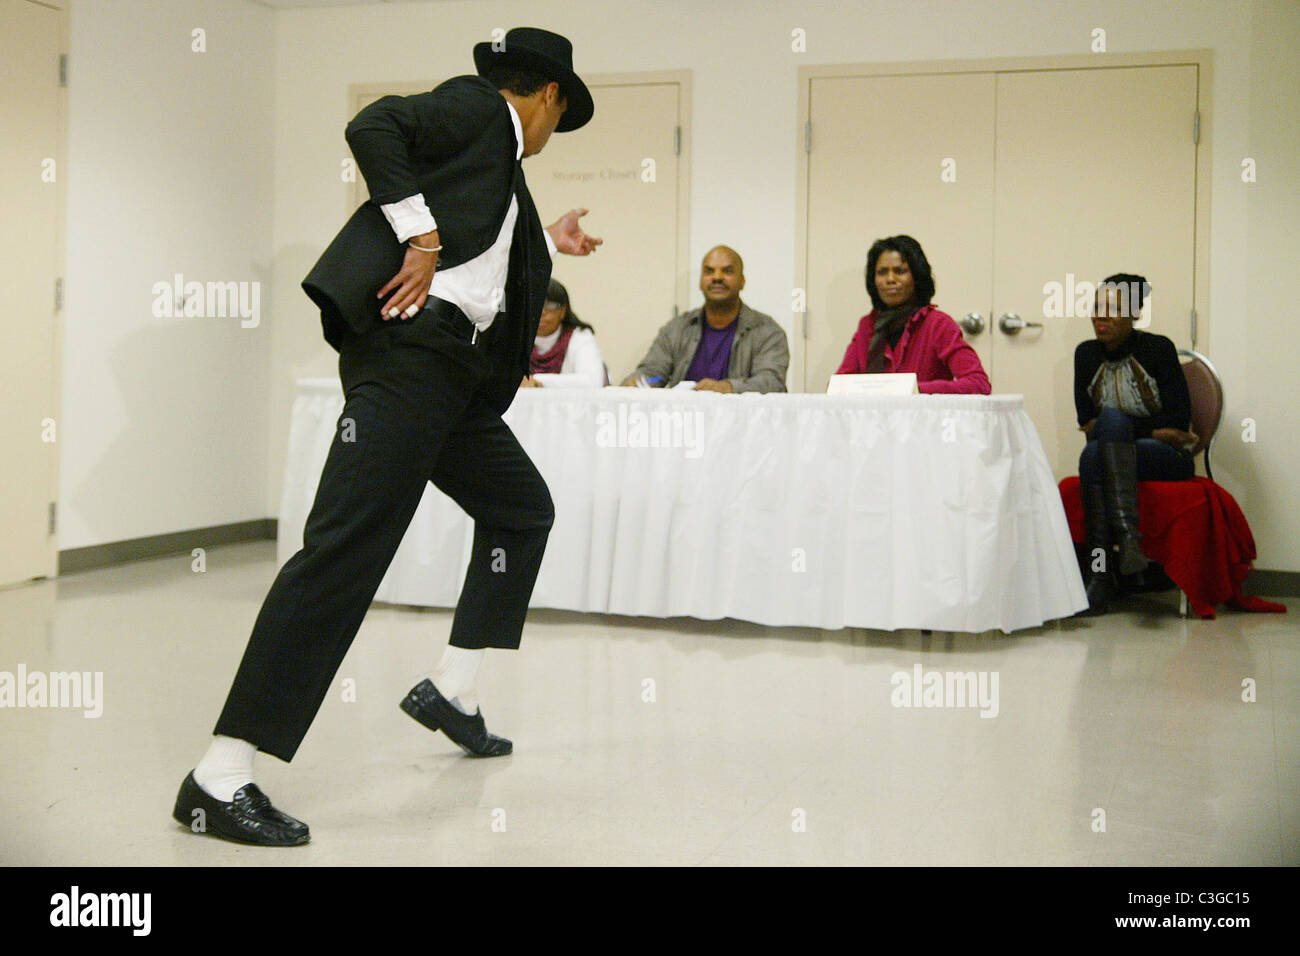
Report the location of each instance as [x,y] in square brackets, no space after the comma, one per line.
[569,237]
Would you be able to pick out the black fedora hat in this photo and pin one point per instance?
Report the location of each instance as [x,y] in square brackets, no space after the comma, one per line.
[529,48]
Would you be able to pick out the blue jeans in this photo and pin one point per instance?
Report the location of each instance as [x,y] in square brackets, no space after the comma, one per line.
[1156,461]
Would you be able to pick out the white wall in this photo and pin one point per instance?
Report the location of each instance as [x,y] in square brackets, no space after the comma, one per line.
[746,145]
[169,170]
[1256,286]
[744,153]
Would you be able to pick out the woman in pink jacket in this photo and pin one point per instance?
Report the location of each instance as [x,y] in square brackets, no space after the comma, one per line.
[904,332]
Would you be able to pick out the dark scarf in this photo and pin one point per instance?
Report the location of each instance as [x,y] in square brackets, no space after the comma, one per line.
[553,360]
[888,328]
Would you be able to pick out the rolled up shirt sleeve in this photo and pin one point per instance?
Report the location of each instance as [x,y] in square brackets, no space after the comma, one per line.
[409,217]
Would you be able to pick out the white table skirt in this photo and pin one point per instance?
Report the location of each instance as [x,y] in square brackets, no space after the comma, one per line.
[925,511]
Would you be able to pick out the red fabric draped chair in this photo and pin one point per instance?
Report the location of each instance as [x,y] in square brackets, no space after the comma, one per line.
[1194,529]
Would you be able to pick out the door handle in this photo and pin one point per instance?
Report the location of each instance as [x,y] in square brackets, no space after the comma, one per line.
[1011,324]
[972,323]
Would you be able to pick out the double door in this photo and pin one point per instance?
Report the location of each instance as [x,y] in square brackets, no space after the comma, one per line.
[1022,186]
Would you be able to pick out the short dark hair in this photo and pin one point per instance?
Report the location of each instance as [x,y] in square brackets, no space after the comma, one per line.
[521,82]
[917,263]
[1127,283]
[557,293]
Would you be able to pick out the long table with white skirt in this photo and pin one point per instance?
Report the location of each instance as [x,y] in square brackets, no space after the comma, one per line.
[924,511]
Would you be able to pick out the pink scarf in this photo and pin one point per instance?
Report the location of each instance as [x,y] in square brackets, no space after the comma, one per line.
[553,360]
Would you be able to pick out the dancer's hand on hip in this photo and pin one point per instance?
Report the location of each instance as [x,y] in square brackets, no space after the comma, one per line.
[413,281]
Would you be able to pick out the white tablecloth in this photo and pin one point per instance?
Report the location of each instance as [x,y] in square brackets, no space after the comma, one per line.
[923,511]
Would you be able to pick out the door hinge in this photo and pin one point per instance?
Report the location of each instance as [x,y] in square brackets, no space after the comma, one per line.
[63,69]
[1193,328]
[1196,127]
[804,320]
[54,516]
[807,137]
[58,294]
[677,141]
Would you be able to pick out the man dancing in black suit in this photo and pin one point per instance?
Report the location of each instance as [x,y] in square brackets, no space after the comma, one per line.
[426,376]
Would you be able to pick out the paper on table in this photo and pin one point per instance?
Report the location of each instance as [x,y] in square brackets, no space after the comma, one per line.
[881,383]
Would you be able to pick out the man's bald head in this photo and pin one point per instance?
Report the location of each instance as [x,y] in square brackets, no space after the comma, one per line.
[727,251]
[722,276]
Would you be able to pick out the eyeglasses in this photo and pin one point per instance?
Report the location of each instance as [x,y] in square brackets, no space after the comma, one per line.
[549,306]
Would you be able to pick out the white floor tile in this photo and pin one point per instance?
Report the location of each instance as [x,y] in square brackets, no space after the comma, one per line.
[641,741]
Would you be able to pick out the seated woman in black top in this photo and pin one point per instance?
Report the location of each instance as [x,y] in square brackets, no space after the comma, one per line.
[1133,405]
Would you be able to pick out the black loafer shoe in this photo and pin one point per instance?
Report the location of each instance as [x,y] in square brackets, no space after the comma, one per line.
[468,732]
[249,818]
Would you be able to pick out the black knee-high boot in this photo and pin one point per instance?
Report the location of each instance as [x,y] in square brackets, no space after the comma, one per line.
[1100,584]
[1119,470]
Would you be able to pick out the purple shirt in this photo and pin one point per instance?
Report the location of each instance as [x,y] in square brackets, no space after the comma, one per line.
[714,352]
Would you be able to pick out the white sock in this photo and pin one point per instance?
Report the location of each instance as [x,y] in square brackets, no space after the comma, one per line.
[456,675]
[227,766]
[466,702]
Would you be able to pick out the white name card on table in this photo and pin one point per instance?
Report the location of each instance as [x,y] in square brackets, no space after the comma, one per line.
[881,383]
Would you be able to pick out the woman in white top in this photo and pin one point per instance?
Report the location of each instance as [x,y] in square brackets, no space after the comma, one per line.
[565,354]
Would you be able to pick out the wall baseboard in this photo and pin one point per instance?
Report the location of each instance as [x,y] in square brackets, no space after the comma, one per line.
[1263,583]
[136,549]
[1273,584]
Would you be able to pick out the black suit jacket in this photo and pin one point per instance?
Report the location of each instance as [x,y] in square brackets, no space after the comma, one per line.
[456,145]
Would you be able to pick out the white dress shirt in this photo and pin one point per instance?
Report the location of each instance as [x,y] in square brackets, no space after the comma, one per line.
[476,287]
[583,367]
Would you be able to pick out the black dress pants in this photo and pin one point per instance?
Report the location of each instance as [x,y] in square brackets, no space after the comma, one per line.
[414,412]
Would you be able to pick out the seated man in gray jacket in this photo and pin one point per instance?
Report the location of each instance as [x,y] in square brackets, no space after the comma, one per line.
[725,346]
